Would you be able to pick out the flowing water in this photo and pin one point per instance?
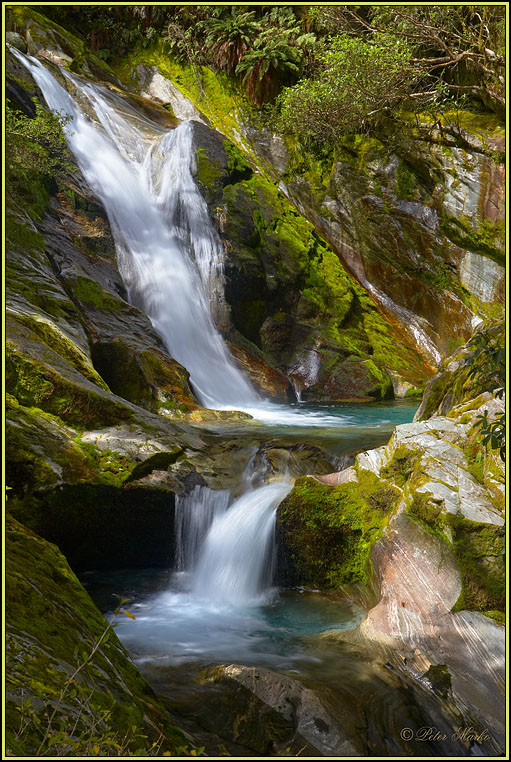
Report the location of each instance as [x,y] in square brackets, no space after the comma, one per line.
[218,603]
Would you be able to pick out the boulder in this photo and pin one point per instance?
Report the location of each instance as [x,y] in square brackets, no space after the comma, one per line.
[64,663]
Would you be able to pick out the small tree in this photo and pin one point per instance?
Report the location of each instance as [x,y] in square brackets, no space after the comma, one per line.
[356,83]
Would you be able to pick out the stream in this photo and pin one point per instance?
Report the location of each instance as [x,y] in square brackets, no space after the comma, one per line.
[220,604]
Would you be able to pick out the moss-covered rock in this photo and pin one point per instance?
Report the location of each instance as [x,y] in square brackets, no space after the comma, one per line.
[62,665]
[290,295]
[326,532]
[41,451]
[55,387]
[456,382]
[480,552]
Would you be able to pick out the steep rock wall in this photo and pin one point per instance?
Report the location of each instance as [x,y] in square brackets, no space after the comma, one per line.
[419,225]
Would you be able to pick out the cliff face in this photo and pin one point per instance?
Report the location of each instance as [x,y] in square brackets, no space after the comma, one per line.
[419,225]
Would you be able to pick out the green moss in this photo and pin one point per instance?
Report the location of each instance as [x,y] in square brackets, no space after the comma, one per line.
[90,293]
[402,467]
[428,512]
[329,531]
[54,338]
[213,93]
[412,393]
[106,466]
[487,310]
[238,167]
[148,378]
[22,236]
[479,549]
[406,181]
[35,384]
[497,616]
[208,171]
[481,240]
[384,381]
[448,389]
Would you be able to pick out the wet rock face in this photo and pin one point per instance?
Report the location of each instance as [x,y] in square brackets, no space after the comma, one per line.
[277,714]
[437,543]
[49,614]
[441,234]
[287,292]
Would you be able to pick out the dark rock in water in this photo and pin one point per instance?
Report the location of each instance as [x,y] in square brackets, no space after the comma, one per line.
[272,713]
[102,527]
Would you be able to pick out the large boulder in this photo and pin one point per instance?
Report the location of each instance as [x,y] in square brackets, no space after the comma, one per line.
[421,521]
[71,686]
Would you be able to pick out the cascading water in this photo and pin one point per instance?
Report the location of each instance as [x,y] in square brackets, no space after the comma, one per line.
[236,564]
[168,252]
[171,262]
[169,255]
[195,513]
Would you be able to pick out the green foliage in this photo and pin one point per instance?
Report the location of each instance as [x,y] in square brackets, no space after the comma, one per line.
[487,366]
[230,37]
[35,149]
[34,144]
[493,432]
[355,83]
[276,53]
[459,50]
[406,180]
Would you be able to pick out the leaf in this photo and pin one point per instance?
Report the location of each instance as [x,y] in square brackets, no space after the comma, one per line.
[129,614]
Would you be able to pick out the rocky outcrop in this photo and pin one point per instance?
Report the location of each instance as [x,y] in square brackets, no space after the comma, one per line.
[435,551]
[419,222]
[456,381]
[63,663]
[289,301]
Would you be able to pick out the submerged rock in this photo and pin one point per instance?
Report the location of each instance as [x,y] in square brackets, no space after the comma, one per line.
[276,714]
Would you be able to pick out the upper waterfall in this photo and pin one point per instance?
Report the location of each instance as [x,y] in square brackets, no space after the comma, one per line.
[168,252]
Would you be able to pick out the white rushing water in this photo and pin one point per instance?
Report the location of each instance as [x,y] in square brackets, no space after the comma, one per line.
[195,512]
[168,252]
[237,560]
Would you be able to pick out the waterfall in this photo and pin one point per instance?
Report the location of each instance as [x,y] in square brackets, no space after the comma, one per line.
[236,562]
[168,252]
[195,513]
